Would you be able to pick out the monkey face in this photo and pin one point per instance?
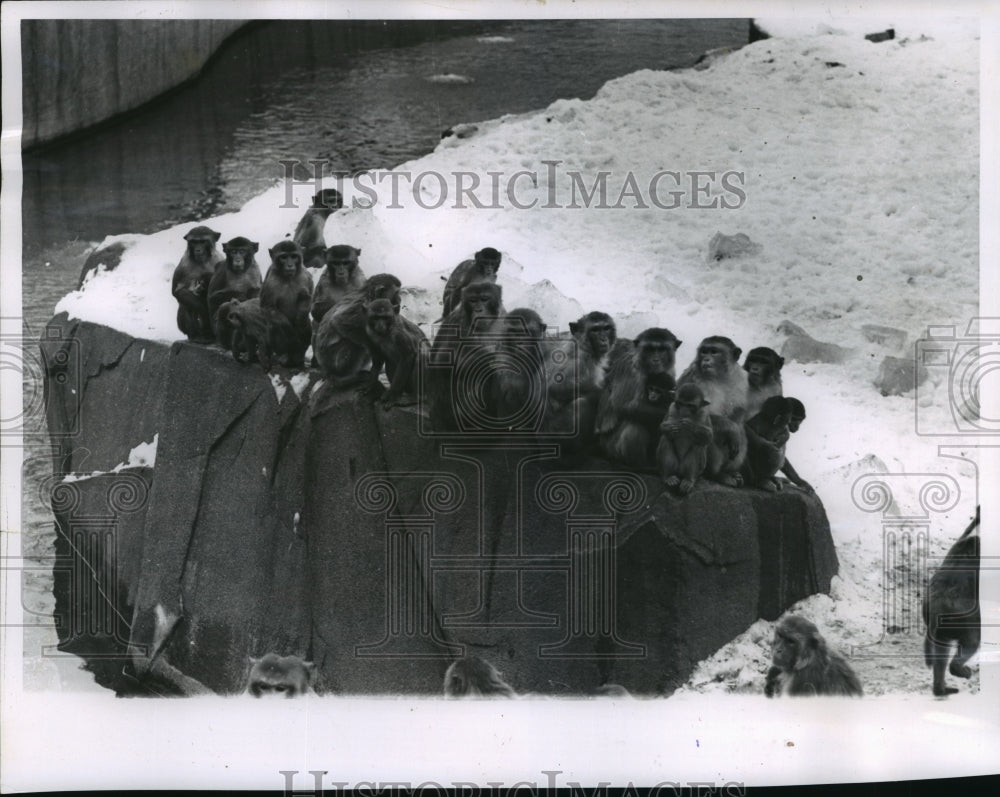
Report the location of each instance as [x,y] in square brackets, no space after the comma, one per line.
[524,324]
[656,357]
[380,317]
[713,360]
[762,366]
[280,676]
[238,260]
[690,409]
[784,651]
[286,687]
[341,269]
[488,267]
[289,264]
[479,304]
[239,254]
[200,249]
[341,260]
[328,199]
[601,337]
[757,372]
[794,421]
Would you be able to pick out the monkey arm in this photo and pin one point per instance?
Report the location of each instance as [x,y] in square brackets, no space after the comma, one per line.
[188,286]
[797,480]
[755,439]
[701,433]
[190,299]
[772,685]
[322,300]
[401,376]
[268,296]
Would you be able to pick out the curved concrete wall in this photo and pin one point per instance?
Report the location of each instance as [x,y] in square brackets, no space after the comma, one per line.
[79,72]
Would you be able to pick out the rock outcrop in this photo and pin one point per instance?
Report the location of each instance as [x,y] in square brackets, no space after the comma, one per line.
[282,517]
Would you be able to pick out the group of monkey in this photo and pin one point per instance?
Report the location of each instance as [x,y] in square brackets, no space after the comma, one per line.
[493,370]
[589,388]
[802,665]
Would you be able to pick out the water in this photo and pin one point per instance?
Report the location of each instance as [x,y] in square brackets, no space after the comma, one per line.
[355,95]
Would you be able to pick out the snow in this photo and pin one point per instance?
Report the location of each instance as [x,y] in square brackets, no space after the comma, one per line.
[278,383]
[853,166]
[450,77]
[142,456]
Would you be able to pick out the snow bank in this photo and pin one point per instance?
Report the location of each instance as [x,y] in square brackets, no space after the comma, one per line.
[142,456]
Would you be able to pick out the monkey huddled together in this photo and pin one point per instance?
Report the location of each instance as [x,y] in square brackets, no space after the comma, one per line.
[490,371]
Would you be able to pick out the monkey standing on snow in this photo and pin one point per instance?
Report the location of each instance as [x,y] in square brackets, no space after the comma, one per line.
[951,610]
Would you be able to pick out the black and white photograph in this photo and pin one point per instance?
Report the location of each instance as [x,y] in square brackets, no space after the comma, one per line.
[499,396]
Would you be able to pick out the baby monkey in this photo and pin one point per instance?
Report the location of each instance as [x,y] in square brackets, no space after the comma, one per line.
[685,433]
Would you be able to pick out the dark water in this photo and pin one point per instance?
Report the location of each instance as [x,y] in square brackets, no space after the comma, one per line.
[355,94]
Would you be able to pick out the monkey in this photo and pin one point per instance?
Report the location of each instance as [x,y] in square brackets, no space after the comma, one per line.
[767,433]
[660,390]
[463,343]
[475,677]
[280,676]
[797,414]
[520,370]
[309,231]
[763,367]
[340,344]
[224,328]
[190,283]
[314,256]
[724,385]
[804,666]
[575,370]
[951,610]
[238,278]
[288,289]
[396,342]
[685,433]
[482,268]
[258,334]
[627,425]
[342,276]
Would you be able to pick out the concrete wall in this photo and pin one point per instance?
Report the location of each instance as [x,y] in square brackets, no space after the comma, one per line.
[78,72]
